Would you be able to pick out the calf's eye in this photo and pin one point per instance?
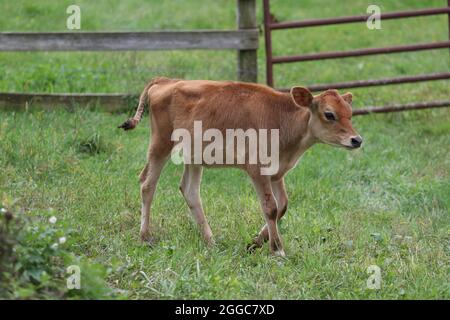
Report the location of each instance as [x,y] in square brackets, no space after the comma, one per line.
[330,116]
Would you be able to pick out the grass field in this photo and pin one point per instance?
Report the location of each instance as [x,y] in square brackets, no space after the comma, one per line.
[386,204]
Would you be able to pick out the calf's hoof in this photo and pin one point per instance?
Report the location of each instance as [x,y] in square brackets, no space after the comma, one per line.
[279,253]
[251,247]
[146,237]
[210,242]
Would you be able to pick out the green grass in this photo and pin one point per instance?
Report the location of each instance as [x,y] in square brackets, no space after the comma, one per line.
[387,204]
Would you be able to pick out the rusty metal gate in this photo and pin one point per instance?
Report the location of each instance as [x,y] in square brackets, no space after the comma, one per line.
[270,24]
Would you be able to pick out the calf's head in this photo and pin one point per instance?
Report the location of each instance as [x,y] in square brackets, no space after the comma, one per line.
[331,115]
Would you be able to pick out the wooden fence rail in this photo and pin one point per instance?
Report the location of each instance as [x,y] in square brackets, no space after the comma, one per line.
[108,101]
[119,41]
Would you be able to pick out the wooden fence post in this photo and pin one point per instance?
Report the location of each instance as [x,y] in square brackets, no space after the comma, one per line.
[247,69]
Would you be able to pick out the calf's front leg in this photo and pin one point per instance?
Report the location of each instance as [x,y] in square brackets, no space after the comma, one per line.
[281,197]
[268,202]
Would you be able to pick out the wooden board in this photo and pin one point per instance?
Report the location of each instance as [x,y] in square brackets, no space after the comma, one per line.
[112,41]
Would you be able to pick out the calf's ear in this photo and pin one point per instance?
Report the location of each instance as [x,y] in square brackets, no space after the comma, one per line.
[348,97]
[301,96]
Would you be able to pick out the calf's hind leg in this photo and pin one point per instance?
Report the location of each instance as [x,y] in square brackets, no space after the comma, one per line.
[190,187]
[157,157]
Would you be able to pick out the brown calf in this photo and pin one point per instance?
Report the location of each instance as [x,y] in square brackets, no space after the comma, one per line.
[302,120]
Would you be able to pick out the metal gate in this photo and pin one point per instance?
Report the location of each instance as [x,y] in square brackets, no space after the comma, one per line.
[270,25]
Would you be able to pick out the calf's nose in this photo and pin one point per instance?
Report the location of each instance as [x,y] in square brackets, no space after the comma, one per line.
[356,141]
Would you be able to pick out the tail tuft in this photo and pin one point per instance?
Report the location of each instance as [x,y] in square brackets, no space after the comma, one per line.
[130,124]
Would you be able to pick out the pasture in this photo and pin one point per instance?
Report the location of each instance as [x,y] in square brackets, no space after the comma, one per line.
[386,204]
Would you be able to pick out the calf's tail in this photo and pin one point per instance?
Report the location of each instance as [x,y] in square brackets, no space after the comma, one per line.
[131,123]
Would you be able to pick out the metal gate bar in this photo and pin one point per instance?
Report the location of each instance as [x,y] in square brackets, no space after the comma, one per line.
[377,82]
[362,18]
[270,24]
[402,107]
[361,52]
